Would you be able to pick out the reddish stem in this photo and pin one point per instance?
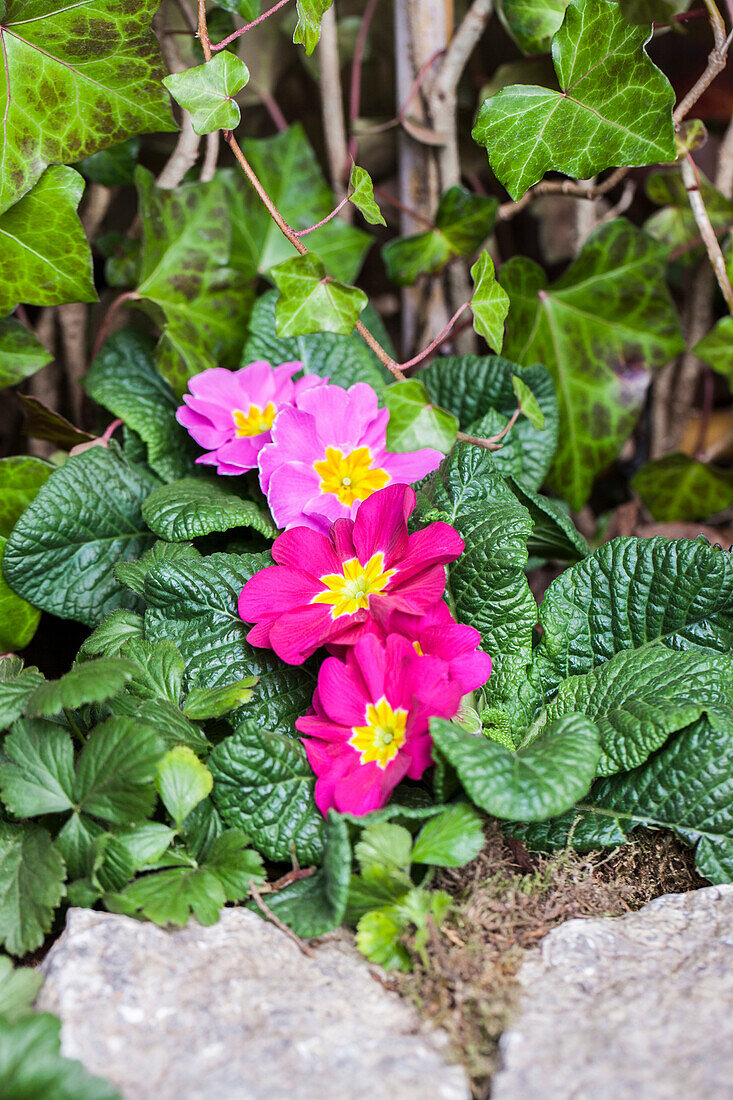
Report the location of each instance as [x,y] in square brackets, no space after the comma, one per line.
[273,109]
[356,69]
[111,429]
[417,83]
[128,296]
[243,30]
[439,339]
[390,200]
[341,205]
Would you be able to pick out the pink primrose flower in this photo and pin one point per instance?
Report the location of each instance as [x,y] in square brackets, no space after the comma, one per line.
[330,454]
[231,413]
[370,723]
[327,588]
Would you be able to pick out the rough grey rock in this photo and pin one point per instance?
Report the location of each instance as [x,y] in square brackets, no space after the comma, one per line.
[638,1007]
[234,1012]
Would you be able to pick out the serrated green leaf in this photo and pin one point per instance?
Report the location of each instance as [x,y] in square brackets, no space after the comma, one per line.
[124,379]
[74,842]
[678,488]
[580,130]
[717,348]
[311,301]
[378,937]
[31,1064]
[45,257]
[182,782]
[172,727]
[533,23]
[21,476]
[18,619]
[454,837]
[315,905]
[18,989]
[31,886]
[632,592]
[158,669]
[17,684]
[194,507]
[264,785]
[414,422]
[528,403]
[115,771]
[85,518]
[308,29]
[234,864]
[529,784]
[207,92]
[38,775]
[21,354]
[600,330]
[489,302]
[362,195]
[377,886]
[111,634]
[203,703]
[462,222]
[384,844]
[554,535]
[83,98]
[91,682]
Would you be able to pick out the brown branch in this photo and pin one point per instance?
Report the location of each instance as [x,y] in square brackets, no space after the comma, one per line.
[692,184]
[462,46]
[563,187]
[716,63]
[267,912]
[204,32]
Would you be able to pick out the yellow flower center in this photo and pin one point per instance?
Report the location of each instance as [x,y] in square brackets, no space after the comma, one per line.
[349,592]
[255,421]
[382,737]
[350,477]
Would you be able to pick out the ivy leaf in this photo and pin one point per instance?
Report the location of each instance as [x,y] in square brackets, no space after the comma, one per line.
[451,838]
[31,886]
[193,507]
[362,195]
[21,354]
[311,301]
[462,222]
[528,784]
[717,348]
[528,403]
[124,379]
[207,92]
[314,905]
[203,703]
[489,302]
[18,990]
[599,330]
[554,535]
[113,167]
[191,272]
[17,684]
[342,359]
[264,785]
[133,573]
[182,782]
[308,30]
[18,619]
[86,517]
[115,771]
[44,255]
[652,11]
[533,23]
[94,80]
[678,487]
[91,682]
[632,592]
[675,223]
[581,129]
[414,422]
[21,476]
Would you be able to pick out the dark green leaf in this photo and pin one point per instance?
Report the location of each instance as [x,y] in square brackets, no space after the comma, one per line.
[362,195]
[203,703]
[554,535]
[533,23]
[115,771]
[21,354]
[18,620]
[31,886]
[652,11]
[311,301]
[133,573]
[182,782]
[31,1065]
[21,476]
[717,348]
[315,905]
[111,634]
[91,682]
[581,129]
[112,167]
[489,302]
[43,423]
[207,92]
[164,717]
[454,837]
[414,422]
[193,507]
[158,669]
[678,487]
[17,684]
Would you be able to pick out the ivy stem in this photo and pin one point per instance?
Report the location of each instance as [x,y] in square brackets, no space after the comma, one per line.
[434,343]
[128,296]
[715,65]
[204,30]
[493,442]
[323,221]
[243,30]
[356,70]
[691,180]
[390,200]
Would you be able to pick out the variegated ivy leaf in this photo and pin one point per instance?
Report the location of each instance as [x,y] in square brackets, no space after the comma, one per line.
[362,195]
[528,403]
[489,303]
[207,92]
[614,105]
[310,301]
[308,30]
[532,23]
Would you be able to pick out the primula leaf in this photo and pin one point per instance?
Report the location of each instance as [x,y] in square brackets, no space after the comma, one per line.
[489,302]
[479,391]
[194,603]
[18,620]
[315,905]
[193,507]
[462,222]
[31,886]
[310,301]
[554,535]
[38,776]
[133,573]
[677,487]
[599,330]
[452,838]
[631,592]
[414,422]
[717,348]
[533,23]
[21,354]
[44,255]
[85,518]
[203,703]
[124,379]
[21,476]
[342,359]
[362,195]
[264,785]
[18,989]
[92,75]
[308,30]
[581,129]
[91,682]
[115,771]
[17,684]
[207,92]
[182,782]
[111,634]
[31,1064]
[191,272]
[529,784]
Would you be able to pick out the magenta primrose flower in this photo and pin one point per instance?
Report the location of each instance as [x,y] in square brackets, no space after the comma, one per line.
[328,588]
[369,727]
[330,454]
[231,413]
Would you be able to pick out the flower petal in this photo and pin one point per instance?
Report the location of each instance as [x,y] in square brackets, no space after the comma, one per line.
[381,523]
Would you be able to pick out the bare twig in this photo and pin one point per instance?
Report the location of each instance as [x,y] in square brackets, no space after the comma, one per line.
[267,912]
[211,157]
[715,65]
[578,189]
[462,46]
[242,30]
[692,183]
[295,875]
[186,149]
[332,111]
[323,221]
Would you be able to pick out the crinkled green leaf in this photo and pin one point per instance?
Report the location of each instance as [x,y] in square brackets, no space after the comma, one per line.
[21,354]
[17,684]
[194,507]
[21,476]
[454,837]
[489,302]
[315,905]
[717,348]
[124,379]
[632,592]
[38,774]
[182,782]
[31,886]
[207,92]
[554,535]
[462,222]
[533,23]
[582,129]
[115,771]
[111,634]
[133,573]
[84,519]
[264,785]
[91,682]
[18,619]
[414,422]
[600,330]
[203,703]
[528,784]
[31,1064]
[362,195]
[311,301]
[677,487]
[18,989]
[44,255]
[308,30]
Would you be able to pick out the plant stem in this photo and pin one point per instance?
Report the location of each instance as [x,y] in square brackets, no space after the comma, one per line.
[242,30]
[715,65]
[331,94]
[691,181]
[267,912]
[73,726]
[128,296]
[439,339]
[323,221]
[356,70]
